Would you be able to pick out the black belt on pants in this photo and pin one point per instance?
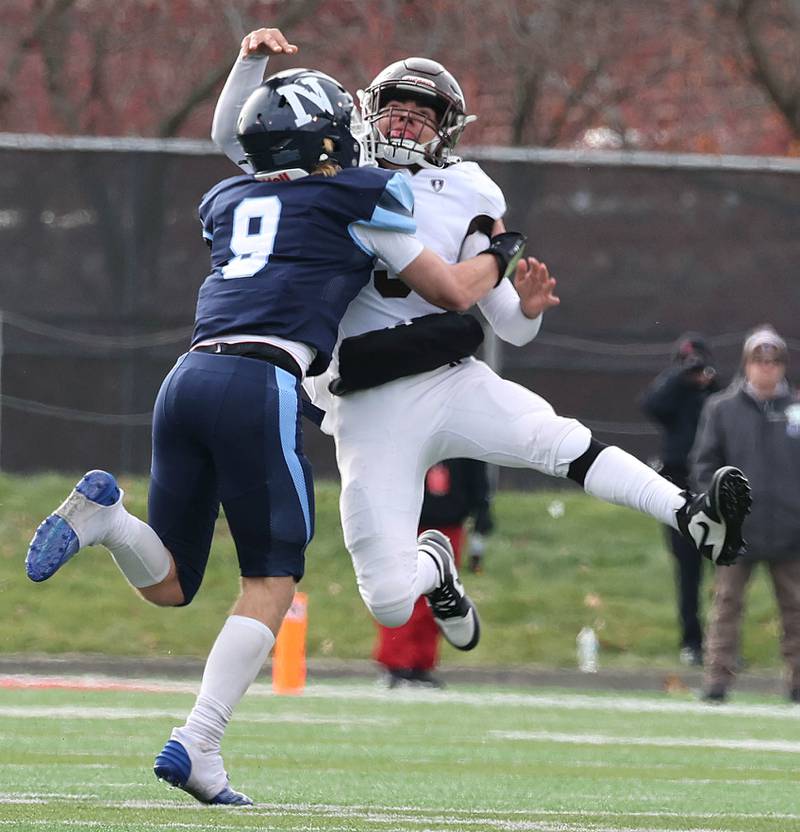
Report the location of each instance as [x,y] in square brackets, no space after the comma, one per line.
[255,349]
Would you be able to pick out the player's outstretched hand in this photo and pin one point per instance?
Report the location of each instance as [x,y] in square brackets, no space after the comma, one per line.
[266,42]
[535,287]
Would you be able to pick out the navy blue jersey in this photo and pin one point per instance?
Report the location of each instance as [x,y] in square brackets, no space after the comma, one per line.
[283,259]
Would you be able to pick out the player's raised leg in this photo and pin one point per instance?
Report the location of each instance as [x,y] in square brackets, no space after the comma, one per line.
[711,521]
[93,513]
[533,435]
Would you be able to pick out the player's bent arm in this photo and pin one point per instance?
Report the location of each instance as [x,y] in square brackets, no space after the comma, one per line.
[247,73]
[501,307]
[456,287]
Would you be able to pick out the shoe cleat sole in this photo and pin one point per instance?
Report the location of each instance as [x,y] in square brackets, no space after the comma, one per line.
[732,499]
[55,541]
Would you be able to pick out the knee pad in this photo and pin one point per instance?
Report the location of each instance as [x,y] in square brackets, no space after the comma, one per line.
[386,585]
[571,446]
[389,611]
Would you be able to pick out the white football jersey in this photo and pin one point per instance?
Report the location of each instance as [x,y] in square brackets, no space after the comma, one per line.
[446,201]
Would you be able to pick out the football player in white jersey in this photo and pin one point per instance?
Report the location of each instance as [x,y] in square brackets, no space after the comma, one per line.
[405,391]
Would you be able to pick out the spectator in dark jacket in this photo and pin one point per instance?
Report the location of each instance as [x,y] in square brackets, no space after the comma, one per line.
[674,400]
[755,425]
[455,490]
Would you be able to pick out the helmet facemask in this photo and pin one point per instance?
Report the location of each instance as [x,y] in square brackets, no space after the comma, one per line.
[385,101]
[362,133]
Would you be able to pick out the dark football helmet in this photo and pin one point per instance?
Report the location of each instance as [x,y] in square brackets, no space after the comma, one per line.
[429,83]
[296,119]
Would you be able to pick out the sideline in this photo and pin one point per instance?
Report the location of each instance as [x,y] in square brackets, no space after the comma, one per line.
[679,679]
[595,701]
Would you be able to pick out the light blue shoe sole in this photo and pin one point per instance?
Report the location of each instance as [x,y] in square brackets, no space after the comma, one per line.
[55,541]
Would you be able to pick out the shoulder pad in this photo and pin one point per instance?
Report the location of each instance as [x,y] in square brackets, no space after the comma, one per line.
[487,192]
[230,182]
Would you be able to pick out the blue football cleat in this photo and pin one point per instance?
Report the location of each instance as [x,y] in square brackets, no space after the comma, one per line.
[79,521]
[199,772]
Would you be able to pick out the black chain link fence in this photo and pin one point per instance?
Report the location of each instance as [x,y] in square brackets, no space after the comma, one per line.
[103,257]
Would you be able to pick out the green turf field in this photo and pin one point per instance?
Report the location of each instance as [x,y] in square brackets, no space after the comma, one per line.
[557,561]
[355,758]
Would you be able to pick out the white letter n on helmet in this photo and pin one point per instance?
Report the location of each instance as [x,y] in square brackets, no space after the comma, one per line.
[310,89]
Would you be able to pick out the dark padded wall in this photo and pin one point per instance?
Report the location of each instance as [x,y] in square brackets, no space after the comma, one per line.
[103,256]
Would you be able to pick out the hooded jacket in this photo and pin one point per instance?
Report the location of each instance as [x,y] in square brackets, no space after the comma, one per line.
[675,403]
[763,439]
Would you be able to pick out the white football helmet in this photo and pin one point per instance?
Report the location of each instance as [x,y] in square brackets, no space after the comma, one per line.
[429,83]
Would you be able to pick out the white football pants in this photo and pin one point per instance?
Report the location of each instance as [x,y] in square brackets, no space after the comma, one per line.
[388,437]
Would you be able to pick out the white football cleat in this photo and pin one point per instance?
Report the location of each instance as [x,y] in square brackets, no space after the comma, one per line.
[454,612]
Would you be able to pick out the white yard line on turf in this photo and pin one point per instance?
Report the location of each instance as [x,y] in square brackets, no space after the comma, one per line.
[381,811]
[87,712]
[62,712]
[384,823]
[369,692]
[661,742]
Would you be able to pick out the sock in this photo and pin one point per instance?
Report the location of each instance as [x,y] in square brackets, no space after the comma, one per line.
[137,549]
[235,660]
[427,574]
[617,477]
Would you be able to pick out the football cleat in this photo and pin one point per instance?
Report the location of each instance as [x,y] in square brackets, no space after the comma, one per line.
[713,520]
[409,677]
[691,656]
[79,521]
[716,695]
[185,764]
[453,611]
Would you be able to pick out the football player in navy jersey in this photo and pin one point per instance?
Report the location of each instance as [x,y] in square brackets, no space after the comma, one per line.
[445,408]
[290,247]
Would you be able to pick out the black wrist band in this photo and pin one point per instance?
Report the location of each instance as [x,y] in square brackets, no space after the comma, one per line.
[508,249]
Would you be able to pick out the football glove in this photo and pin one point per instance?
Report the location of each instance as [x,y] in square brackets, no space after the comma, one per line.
[508,248]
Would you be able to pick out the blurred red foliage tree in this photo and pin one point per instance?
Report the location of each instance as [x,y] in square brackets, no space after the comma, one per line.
[716,76]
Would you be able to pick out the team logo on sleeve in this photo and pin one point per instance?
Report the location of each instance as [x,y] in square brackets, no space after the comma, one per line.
[303,92]
[437,184]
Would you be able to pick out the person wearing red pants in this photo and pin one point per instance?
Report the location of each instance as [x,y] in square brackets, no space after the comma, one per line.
[455,490]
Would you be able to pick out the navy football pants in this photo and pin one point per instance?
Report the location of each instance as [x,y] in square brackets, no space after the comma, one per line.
[226,429]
